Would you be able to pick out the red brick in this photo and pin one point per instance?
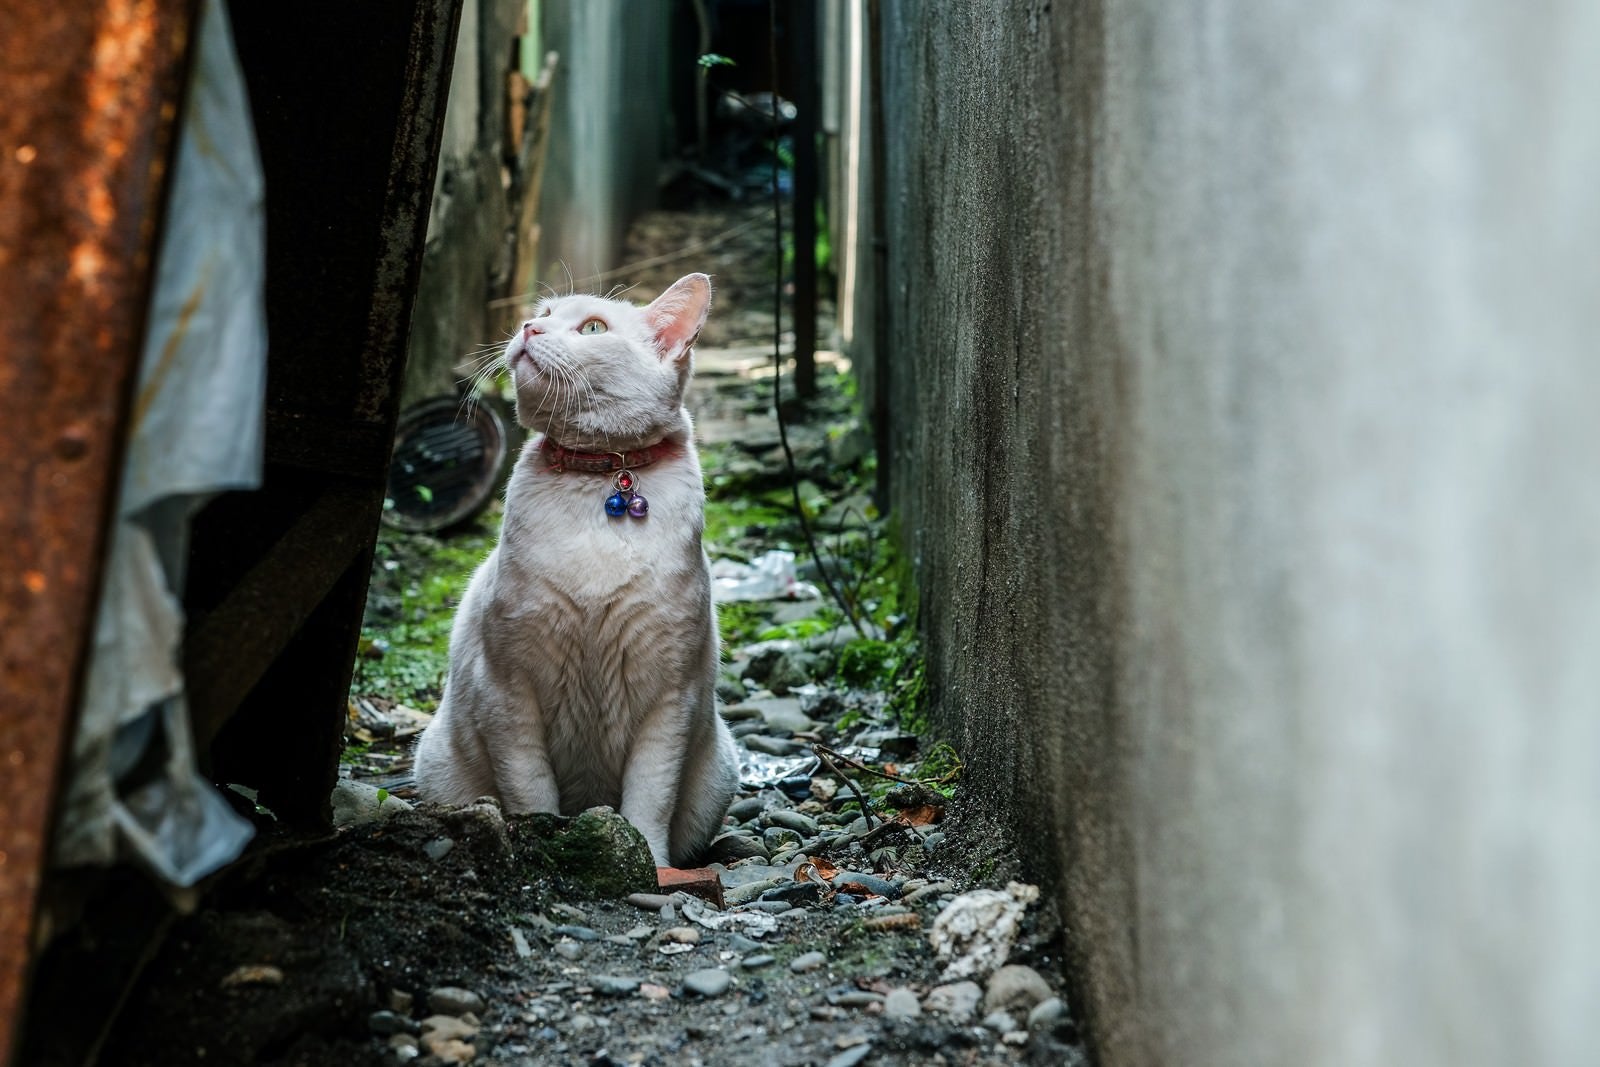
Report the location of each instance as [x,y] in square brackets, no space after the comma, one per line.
[699,881]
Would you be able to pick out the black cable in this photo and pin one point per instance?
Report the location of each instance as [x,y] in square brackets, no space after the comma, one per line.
[777,329]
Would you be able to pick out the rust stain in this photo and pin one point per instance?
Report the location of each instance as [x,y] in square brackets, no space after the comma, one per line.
[169,352]
[35,582]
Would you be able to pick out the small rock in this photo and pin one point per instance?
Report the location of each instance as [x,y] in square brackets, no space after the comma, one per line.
[793,820]
[400,1002]
[731,690]
[1015,1038]
[870,882]
[999,1022]
[777,838]
[810,961]
[851,1056]
[651,991]
[793,670]
[741,943]
[957,1001]
[519,943]
[438,848]
[901,1004]
[453,1000]
[889,742]
[569,950]
[683,935]
[611,986]
[1046,1014]
[446,1028]
[744,894]
[385,1023]
[737,846]
[751,963]
[252,974]
[649,901]
[711,982]
[772,746]
[798,894]
[771,907]
[854,998]
[1015,988]
[577,933]
[355,803]
[579,1023]
[747,808]
[405,1047]
[917,896]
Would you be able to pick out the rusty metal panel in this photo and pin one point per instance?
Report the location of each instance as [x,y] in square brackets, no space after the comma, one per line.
[88,100]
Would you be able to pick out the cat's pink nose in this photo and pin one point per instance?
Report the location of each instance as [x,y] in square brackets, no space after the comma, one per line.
[530,328]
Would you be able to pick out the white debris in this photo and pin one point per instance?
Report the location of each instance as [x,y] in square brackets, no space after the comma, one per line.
[975,931]
[755,923]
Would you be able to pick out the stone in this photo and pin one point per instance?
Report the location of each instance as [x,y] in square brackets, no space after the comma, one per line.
[771,907]
[793,820]
[596,855]
[710,982]
[850,1057]
[744,894]
[999,1022]
[870,882]
[777,838]
[568,950]
[730,848]
[799,894]
[957,1001]
[783,715]
[746,808]
[854,998]
[404,1047]
[901,1004]
[1047,1014]
[400,1001]
[772,746]
[807,962]
[649,901]
[1015,988]
[889,742]
[752,963]
[447,1028]
[612,986]
[355,803]
[453,1000]
[730,691]
[385,1023]
[975,931]
[577,933]
[795,669]
[683,935]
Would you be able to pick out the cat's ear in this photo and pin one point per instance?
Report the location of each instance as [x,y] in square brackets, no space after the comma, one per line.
[676,315]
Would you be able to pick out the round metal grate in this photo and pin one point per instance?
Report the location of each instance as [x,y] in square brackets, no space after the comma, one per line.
[448,460]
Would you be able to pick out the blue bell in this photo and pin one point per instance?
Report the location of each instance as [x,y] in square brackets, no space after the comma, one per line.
[616,505]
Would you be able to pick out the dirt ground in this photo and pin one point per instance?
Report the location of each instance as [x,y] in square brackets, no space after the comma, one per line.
[432,936]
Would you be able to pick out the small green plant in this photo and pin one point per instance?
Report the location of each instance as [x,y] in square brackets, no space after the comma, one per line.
[712,59]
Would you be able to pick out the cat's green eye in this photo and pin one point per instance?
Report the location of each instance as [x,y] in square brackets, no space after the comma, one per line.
[592,326]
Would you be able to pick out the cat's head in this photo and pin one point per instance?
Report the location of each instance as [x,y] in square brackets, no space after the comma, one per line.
[601,374]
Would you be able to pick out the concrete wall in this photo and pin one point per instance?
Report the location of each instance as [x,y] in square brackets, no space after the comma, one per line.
[607,132]
[467,258]
[1245,371]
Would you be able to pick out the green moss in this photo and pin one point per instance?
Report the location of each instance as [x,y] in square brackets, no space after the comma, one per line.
[738,622]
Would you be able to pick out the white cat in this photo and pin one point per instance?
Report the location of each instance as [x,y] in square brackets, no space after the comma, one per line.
[583,657]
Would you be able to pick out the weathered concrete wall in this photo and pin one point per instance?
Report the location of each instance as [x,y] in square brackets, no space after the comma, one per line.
[606,134]
[1245,375]
[467,259]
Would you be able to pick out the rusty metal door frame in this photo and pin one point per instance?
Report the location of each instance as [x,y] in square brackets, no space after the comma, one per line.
[88,102]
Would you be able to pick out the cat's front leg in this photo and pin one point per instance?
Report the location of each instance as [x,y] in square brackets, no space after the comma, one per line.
[650,783]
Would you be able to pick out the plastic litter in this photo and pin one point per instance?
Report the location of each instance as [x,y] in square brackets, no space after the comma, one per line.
[770,576]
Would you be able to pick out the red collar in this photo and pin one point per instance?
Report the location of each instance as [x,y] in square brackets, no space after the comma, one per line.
[562,458]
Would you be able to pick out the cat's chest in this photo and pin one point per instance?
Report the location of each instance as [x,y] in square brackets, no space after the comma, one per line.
[561,539]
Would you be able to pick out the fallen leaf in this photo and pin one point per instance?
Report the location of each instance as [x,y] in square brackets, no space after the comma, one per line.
[922,815]
[253,974]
